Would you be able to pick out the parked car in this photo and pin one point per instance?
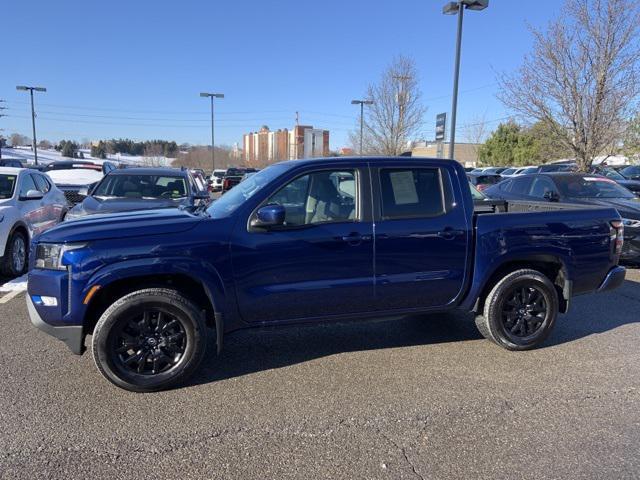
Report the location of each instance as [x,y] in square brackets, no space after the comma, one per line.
[482,181]
[77,177]
[576,188]
[11,162]
[493,170]
[526,171]
[632,172]
[296,243]
[233,177]
[633,185]
[509,172]
[216,180]
[29,205]
[557,167]
[139,189]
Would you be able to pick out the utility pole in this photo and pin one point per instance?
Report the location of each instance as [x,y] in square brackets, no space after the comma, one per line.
[362,103]
[33,116]
[213,145]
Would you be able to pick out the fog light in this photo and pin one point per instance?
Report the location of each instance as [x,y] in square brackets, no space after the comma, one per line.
[46,301]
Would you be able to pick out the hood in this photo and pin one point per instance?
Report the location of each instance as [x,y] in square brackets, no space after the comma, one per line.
[75,177]
[122,225]
[93,205]
[627,207]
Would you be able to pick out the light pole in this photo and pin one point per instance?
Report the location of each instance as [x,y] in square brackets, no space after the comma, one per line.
[362,103]
[213,147]
[33,117]
[457,8]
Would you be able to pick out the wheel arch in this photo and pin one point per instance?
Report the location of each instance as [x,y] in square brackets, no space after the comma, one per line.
[552,266]
[207,293]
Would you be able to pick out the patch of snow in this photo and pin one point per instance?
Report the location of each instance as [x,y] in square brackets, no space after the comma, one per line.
[17,284]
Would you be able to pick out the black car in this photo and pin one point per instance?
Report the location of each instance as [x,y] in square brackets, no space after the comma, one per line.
[632,172]
[482,181]
[578,188]
[11,162]
[140,189]
[633,185]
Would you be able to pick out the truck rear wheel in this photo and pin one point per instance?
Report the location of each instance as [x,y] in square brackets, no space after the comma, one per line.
[520,311]
[149,340]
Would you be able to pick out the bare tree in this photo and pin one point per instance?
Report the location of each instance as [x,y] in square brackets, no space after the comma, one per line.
[153,155]
[18,140]
[396,114]
[200,157]
[581,79]
[475,132]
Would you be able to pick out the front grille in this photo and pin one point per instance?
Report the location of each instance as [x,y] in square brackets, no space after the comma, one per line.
[73,196]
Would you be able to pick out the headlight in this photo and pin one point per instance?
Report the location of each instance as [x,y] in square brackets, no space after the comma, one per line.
[630,223]
[49,255]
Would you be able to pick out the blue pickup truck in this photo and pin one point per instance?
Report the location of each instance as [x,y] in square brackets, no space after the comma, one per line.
[308,241]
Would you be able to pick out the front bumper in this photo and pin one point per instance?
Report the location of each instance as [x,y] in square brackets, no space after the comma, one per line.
[71,335]
[613,280]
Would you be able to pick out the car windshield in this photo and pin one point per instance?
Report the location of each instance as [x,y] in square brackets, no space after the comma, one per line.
[633,170]
[610,173]
[590,187]
[509,171]
[230,201]
[7,185]
[529,170]
[218,174]
[141,186]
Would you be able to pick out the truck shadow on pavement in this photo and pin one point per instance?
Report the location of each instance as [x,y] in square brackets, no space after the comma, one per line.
[254,350]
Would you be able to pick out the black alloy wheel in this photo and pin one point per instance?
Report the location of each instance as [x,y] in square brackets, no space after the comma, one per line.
[151,342]
[523,312]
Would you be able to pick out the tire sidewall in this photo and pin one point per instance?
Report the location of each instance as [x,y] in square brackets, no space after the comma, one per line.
[130,305]
[8,267]
[497,297]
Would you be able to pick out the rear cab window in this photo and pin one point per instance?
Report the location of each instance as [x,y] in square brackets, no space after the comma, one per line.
[414,192]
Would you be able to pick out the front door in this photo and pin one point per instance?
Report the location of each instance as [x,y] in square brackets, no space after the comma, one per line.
[422,237]
[320,263]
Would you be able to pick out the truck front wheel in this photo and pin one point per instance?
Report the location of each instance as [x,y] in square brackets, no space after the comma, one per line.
[520,311]
[149,340]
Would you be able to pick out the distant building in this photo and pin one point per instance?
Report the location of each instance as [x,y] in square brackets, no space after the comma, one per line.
[465,153]
[266,146]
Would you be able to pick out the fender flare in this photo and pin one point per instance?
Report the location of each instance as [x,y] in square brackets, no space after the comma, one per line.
[205,274]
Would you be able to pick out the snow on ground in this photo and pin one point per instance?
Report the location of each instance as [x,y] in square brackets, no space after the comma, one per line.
[17,284]
[46,156]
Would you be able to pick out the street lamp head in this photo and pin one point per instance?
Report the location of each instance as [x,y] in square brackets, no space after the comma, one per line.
[214,95]
[450,8]
[36,89]
[355,102]
[204,94]
[218,95]
[476,4]
[368,102]
[40,89]
[22,87]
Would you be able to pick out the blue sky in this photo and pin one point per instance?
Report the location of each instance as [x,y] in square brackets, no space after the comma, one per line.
[135,68]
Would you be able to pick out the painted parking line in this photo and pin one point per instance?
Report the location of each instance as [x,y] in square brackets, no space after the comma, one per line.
[10,295]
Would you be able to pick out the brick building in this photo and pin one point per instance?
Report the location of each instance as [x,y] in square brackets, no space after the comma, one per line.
[303,141]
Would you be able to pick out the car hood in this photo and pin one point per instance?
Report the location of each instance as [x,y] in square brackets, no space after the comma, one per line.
[93,205]
[627,207]
[122,225]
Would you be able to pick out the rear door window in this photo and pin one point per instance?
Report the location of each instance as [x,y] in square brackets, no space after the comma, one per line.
[412,193]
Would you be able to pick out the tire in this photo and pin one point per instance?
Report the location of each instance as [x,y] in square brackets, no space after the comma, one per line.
[16,257]
[149,340]
[520,311]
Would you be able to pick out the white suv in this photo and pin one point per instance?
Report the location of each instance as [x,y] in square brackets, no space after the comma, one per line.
[29,204]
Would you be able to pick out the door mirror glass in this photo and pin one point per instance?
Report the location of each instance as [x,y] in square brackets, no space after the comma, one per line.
[32,195]
[202,195]
[269,216]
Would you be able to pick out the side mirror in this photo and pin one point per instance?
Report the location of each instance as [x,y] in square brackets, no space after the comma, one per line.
[269,216]
[32,195]
[551,196]
[84,192]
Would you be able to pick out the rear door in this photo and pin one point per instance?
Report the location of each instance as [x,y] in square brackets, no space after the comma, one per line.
[421,235]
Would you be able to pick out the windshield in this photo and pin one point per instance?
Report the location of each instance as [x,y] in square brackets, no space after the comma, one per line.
[610,173]
[509,171]
[633,170]
[7,185]
[141,186]
[230,201]
[591,187]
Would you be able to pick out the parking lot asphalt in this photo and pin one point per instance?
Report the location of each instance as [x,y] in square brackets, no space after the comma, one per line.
[415,398]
